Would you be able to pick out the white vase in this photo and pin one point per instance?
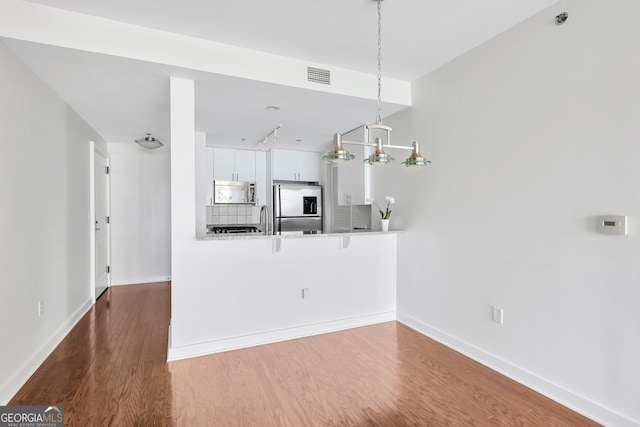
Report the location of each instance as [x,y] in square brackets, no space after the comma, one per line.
[384,224]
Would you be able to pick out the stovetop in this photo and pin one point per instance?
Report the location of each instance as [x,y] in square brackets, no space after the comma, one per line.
[234,229]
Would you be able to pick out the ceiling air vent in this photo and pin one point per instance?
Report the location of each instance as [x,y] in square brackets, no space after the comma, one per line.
[318,75]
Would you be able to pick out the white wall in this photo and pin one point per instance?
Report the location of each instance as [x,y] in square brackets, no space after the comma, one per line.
[532,135]
[140,214]
[44,221]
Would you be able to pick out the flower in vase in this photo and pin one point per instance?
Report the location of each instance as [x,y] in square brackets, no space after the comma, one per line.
[386,214]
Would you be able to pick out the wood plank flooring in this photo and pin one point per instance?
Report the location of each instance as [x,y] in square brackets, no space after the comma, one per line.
[111,371]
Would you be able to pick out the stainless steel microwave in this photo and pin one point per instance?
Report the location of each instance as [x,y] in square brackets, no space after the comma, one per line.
[234,192]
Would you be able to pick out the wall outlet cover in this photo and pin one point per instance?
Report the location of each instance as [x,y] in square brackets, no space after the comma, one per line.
[497,315]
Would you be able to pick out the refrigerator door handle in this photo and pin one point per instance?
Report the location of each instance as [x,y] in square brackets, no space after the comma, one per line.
[279,201]
[277,208]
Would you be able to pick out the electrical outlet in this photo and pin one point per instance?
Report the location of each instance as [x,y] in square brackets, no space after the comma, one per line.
[40,308]
[497,315]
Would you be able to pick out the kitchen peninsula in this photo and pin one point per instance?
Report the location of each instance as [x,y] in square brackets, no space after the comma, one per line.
[233,292]
[244,290]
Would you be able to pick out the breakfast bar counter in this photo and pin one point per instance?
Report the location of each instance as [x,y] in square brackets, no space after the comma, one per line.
[260,236]
[233,291]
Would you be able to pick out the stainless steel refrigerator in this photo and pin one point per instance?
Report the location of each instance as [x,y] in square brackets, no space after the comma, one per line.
[297,209]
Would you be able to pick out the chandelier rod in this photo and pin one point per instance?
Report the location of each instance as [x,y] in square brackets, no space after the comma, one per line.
[379,115]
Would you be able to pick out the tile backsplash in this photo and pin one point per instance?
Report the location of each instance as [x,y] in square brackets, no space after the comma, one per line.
[233,214]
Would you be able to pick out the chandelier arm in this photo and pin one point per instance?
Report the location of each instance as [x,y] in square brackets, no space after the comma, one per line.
[399,147]
[371,144]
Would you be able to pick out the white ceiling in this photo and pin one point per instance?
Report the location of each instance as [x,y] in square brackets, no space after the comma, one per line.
[122,99]
[418,35]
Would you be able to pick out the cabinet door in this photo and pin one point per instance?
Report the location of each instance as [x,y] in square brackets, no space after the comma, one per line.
[224,164]
[245,165]
[308,166]
[284,164]
[209,176]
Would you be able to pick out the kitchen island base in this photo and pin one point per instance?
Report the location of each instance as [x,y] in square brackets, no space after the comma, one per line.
[230,294]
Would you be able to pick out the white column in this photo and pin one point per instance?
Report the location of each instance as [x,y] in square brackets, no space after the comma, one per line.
[183,215]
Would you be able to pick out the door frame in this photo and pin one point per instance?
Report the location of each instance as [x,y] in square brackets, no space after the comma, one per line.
[93,151]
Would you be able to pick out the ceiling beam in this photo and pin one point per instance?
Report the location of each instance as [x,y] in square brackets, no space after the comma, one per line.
[32,22]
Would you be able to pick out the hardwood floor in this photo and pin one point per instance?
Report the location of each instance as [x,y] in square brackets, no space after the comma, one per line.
[111,371]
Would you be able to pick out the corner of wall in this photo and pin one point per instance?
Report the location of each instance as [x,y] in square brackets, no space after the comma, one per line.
[24,372]
[543,386]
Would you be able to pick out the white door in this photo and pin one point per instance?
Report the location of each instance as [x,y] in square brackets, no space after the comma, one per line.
[101,190]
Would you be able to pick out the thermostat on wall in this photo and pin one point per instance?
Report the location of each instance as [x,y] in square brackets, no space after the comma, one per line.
[612,224]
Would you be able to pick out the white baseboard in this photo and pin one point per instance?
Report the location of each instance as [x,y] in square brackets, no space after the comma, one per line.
[13,384]
[121,281]
[561,395]
[218,346]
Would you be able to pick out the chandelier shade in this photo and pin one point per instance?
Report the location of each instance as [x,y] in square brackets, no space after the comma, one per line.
[338,153]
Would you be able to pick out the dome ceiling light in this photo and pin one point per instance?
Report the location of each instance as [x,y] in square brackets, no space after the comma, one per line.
[149,142]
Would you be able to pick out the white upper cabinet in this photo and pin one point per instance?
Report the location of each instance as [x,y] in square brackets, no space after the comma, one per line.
[284,164]
[292,165]
[234,165]
[308,166]
[245,165]
[224,164]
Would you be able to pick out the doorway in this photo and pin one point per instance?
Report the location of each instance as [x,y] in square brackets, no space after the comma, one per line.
[100,221]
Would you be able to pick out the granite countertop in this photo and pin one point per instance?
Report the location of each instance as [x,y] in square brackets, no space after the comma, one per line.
[253,236]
